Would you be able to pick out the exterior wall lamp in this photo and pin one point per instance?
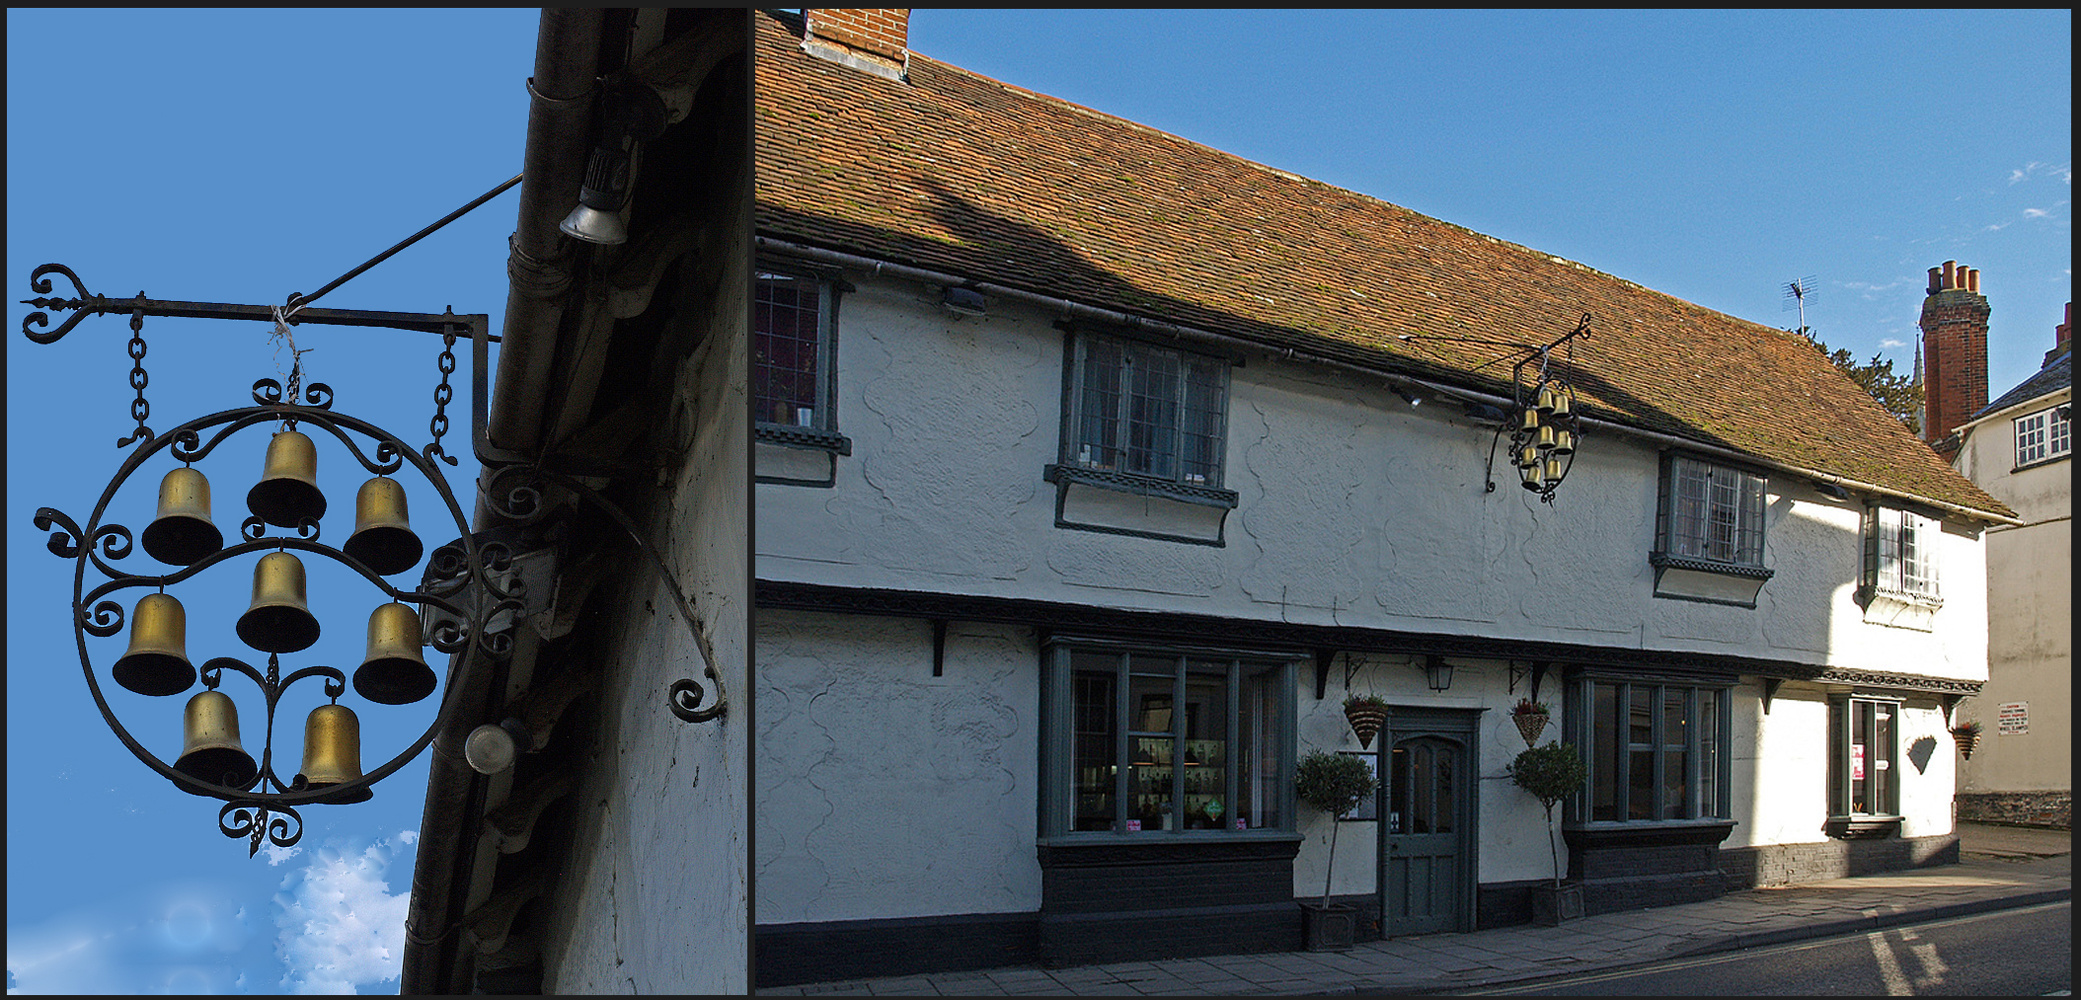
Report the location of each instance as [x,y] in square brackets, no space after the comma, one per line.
[634,114]
[1437,672]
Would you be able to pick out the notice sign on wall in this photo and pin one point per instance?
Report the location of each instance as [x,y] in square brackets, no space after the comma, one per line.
[2013,718]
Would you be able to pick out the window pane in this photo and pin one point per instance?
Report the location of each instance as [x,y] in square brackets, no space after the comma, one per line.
[1688,532]
[1675,780]
[1640,785]
[1448,795]
[787,350]
[1882,772]
[1093,745]
[1098,409]
[1149,774]
[1860,760]
[1604,762]
[1152,413]
[1202,436]
[1708,753]
[1206,745]
[1259,750]
[2031,443]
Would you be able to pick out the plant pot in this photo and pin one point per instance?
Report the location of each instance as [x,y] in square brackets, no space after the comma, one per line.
[1552,904]
[1329,928]
[1366,721]
[1529,727]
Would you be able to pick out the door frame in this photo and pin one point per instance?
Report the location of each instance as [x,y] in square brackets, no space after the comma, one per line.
[1454,725]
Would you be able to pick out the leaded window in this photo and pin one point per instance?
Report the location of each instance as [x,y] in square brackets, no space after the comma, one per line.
[1146,410]
[2043,435]
[1712,512]
[1657,750]
[1900,553]
[791,351]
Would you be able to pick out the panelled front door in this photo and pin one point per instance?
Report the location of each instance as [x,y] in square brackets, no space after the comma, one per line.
[1427,862]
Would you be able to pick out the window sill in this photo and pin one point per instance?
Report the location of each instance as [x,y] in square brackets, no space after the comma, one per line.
[1896,609]
[1126,504]
[2049,460]
[1647,833]
[1711,581]
[1862,827]
[787,455]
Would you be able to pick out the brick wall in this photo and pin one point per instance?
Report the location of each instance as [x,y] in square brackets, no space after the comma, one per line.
[881,33]
[1954,350]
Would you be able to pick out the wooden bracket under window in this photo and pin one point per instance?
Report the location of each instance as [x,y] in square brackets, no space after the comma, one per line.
[939,646]
[1770,690]
[1947,703]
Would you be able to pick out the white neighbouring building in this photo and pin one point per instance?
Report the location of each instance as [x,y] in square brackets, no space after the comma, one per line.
[1095,467]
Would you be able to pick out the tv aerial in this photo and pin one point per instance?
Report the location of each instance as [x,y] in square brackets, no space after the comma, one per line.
[1796,294]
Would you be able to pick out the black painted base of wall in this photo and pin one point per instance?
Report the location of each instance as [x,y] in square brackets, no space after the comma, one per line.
[1793,864]
[790,954]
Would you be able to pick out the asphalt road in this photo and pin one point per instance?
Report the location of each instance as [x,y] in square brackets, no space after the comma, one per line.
[2026,952]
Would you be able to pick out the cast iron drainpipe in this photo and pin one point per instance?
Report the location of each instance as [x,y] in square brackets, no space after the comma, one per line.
[559,126]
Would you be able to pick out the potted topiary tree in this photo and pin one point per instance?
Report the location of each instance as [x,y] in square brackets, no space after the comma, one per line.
[1552,773]
[1334,783]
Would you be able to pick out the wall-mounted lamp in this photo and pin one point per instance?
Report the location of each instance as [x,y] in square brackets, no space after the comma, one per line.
[963,301]
[1487,413]
[1832,491]
[1407,397]
[633,114]
[1437,672]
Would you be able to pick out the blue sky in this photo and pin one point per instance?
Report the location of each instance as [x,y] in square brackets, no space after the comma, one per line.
[227,156]
[242,156]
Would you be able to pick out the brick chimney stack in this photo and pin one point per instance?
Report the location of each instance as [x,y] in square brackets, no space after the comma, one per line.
[1954,352]
[2062,335]
[874,40]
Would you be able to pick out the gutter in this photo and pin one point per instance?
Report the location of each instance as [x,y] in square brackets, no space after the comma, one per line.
[1133,322]
[559,126]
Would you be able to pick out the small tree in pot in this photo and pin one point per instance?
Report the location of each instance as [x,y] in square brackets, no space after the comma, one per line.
[1551,773]
[1334,783]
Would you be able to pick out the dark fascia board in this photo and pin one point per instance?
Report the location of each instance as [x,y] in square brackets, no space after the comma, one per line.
[1052,616]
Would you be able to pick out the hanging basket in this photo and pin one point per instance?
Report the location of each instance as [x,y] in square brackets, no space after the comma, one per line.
[1530,725]
[1967,740]
[1366,720]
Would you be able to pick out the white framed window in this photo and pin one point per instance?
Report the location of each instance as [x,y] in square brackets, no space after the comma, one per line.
[2043,435]
[1712,512]
[1145,411]
[1900,553]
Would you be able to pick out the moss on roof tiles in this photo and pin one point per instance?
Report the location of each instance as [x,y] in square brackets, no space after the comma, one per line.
[956,172]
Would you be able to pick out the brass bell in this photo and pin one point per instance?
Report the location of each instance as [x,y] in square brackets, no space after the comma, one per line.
[288,494]
[1546,403]
[394,673]
[211,751]
[1547,439]
[1564,443]
[279,621]
[1553,470]
[332,751]
[157,663]
[382,539]
[183,532]
[1533,478]
[1564,402]
[1531,419]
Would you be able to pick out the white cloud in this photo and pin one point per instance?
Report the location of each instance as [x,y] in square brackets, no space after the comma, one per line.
[187,940]
[2035,213]
[1893,342]
[340,925]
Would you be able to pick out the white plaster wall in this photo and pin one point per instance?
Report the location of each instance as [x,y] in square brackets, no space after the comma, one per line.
[1781,764]
[885,791]
[1355,509]
[1509,819]
[657,893]
[2030,583]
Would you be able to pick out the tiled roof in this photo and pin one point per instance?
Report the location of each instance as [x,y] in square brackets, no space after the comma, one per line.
[958,173]
[2056,375]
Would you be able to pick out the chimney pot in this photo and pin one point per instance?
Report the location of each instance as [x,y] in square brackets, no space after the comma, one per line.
[1950,274]
[1936,278]
[1972,280]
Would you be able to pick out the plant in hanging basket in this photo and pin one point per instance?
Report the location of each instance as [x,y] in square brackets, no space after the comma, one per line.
[1967,734]
[1366,713]
[1531,717]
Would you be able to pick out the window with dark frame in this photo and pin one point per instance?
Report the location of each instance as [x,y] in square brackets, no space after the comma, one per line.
[1147,411]
[1864,756]
[1711,512]
[1181,742]
[1657,751]
[1900,553]
[791,351]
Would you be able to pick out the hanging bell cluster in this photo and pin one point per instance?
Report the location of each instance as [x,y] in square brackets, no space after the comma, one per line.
[1543,446]
[278,619]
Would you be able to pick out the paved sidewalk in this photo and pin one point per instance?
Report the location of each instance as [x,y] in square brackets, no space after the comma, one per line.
[2003,868]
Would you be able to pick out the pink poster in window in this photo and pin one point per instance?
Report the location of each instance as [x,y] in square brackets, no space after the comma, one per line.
[1856,762]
